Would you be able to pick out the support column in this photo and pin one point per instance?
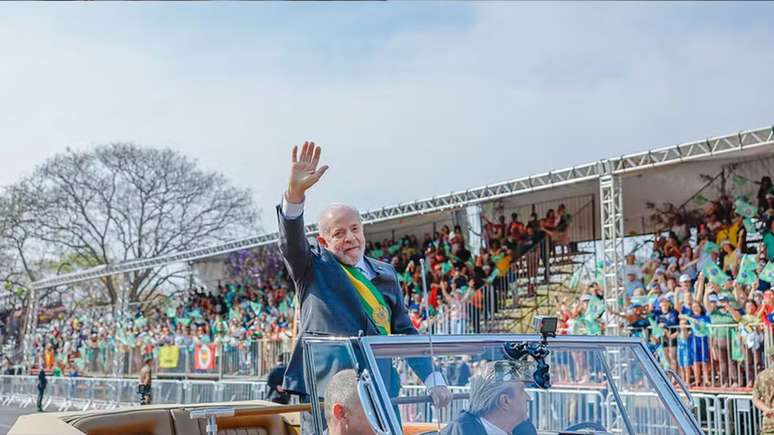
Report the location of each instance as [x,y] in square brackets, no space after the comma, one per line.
[473,220]
[30,326]
[611,208]
[611,203]
[122,305]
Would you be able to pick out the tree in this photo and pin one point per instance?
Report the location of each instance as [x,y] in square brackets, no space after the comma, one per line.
[121,202]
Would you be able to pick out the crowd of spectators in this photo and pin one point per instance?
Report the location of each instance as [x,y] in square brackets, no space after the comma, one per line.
[702,301]
[256,307]
[258,301]
[456,277]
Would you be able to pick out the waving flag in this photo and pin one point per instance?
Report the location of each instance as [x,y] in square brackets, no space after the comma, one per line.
[204,357]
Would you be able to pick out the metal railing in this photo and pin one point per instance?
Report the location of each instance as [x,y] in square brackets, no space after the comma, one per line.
[65,394]
[720,356]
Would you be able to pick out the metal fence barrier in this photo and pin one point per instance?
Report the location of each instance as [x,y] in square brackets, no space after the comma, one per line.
[68,394]
[557,409]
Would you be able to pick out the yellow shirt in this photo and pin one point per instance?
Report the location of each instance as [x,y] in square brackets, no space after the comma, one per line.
[733,234]
[723,234]
[729,261]
[503,265]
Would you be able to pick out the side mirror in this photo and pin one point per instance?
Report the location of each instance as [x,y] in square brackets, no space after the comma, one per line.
[366,392]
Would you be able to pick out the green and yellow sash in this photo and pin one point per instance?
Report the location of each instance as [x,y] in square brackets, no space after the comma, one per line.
[370,298]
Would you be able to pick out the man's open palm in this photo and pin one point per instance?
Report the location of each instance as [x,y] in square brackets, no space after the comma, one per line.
[304,172]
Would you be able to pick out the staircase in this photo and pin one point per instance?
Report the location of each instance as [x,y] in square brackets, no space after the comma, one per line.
[525,297]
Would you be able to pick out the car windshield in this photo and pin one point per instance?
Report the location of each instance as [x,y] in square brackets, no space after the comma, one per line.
[598,384]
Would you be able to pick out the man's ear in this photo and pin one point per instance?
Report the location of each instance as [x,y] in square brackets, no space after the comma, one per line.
[322,241]
[505,401]
[339,411]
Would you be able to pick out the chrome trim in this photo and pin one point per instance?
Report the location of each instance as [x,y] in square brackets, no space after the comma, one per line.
[372,412]
[684,387]
[393,422]
[686,418]
[314,397]
[611,383]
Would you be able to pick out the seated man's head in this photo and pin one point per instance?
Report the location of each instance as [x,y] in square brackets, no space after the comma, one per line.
[499,398]
[341,233]
[342,406]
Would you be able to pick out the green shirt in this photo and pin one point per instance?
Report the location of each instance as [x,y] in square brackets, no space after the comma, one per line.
[722,324]
[768,240]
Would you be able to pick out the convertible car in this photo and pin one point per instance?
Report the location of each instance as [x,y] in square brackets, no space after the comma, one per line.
[577,384]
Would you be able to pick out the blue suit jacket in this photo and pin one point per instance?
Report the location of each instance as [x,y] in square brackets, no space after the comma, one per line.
[469,424]
[331,306]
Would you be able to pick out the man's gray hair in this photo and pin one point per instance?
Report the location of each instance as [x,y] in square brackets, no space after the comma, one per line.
[329,210]
[486,389]
[342,388]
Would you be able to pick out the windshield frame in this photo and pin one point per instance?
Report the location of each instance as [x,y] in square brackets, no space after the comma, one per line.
[655,374]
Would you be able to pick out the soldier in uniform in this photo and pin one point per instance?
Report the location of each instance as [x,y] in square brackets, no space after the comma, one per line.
[763,397]
[146,375]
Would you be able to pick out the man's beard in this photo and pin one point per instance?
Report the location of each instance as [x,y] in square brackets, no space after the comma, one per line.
[348,259]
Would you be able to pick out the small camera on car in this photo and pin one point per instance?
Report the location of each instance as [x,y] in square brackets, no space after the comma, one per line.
[545,325]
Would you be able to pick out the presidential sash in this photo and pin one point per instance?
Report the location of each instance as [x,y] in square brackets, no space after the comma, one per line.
[370,298]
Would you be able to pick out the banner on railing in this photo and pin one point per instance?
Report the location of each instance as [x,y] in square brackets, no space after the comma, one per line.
[204,357]
[168,357]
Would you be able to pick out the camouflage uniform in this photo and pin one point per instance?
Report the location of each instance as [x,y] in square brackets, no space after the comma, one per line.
[764,391]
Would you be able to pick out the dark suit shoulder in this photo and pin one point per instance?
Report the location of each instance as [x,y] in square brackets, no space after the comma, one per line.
[381,266]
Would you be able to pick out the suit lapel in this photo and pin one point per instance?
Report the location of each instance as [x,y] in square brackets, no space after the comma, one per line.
[351,288]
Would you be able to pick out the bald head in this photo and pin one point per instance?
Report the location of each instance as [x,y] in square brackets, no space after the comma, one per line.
[333,213]
[341,233]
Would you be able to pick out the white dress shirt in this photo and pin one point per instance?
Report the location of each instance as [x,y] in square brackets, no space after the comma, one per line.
[292,211]
[490,428]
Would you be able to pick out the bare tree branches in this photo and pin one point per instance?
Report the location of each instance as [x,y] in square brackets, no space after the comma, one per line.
[121,202]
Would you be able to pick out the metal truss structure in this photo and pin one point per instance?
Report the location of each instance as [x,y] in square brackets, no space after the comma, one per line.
[611,199]
[616,166]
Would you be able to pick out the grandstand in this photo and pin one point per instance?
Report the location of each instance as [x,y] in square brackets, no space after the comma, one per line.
[617,207]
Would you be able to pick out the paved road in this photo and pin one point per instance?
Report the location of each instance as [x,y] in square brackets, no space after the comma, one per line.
[8,415]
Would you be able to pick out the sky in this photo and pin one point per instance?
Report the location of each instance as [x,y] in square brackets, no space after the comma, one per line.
[407,99]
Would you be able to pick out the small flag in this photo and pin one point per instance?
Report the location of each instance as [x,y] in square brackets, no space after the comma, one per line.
[204,356]
[714,274]
[744,208]
[767,274]
[739,181]
[700,200]
[747,269]
[171,313]
[168,357]
[749,225]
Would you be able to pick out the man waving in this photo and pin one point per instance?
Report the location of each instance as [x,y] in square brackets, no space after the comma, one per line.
[341,291]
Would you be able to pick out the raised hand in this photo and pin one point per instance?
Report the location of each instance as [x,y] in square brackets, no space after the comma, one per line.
[304,172]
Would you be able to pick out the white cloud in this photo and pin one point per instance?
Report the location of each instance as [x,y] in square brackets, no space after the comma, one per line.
[510,90]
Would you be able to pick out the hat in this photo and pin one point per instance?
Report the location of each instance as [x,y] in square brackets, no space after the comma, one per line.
[635,305]
[723,297]
[660,270]
[725,242]
[585,297]
[713,298]
[685,278]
